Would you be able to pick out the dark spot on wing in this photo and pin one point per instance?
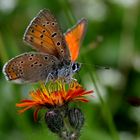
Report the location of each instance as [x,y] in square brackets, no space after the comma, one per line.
[58,43]
[54,34]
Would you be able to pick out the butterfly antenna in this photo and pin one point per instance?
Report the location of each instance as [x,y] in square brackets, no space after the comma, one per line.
[97,66]
[102,67]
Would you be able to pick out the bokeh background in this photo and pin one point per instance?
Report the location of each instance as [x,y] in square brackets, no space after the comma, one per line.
[112,40]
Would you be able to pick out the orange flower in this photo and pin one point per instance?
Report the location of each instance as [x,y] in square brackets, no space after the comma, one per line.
[55,95]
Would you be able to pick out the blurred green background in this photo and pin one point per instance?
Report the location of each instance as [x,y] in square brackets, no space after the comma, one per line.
[112,39]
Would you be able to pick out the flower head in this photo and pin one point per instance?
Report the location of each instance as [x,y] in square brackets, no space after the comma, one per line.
[53,96]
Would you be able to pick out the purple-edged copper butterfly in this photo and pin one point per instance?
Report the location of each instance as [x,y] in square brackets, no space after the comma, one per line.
[56,54]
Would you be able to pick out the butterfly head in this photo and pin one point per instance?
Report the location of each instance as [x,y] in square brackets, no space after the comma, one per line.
[76,67]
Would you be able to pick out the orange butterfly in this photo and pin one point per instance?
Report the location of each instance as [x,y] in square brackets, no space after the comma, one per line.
[56,54]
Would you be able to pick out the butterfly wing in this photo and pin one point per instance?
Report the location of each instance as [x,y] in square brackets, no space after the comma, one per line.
[44,34]
[74,38]
[29,67]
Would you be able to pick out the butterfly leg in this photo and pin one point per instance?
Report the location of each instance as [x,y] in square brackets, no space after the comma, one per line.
[50,77]
[73,79]
[69,80]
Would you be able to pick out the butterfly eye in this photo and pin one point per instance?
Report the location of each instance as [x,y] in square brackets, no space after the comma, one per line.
[75,67]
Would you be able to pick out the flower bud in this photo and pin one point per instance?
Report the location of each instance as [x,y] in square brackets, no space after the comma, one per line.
[54,121]
[76,118]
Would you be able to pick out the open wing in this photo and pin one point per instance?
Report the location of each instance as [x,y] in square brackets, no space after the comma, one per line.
[44,34]
[74,37]
[29,67]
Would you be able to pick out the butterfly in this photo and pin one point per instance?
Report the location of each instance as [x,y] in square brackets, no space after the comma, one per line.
[56,52]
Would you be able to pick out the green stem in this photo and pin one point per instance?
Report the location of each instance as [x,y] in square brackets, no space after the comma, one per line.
[104,105]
